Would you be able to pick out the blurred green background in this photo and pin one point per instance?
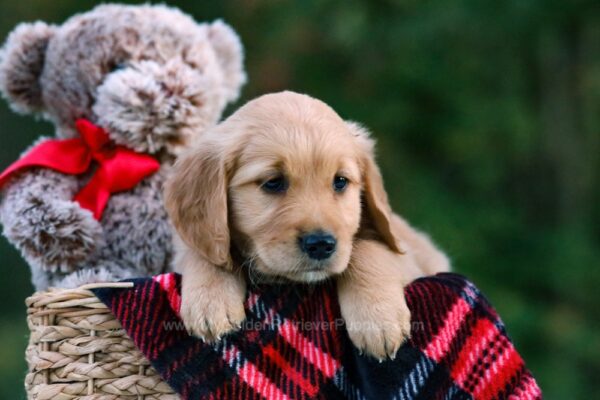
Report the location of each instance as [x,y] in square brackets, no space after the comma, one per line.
[488,120]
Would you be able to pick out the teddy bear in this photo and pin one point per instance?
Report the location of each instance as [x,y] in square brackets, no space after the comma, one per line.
[139,83]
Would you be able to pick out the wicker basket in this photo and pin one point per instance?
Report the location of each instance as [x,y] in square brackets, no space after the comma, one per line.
[78,350]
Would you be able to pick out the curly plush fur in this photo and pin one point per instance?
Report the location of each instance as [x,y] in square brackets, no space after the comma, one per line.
[153,78]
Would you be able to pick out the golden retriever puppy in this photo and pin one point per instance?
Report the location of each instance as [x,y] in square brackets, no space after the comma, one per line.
[284,188]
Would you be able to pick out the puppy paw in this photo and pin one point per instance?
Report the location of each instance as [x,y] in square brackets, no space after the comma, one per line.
[210,312]
[379,329]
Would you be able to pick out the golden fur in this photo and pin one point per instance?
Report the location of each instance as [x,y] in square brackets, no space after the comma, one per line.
[230,228]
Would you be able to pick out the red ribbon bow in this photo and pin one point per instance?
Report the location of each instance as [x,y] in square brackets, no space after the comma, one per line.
[119,168]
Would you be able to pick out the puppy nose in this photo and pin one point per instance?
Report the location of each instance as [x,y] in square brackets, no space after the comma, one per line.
[318,245]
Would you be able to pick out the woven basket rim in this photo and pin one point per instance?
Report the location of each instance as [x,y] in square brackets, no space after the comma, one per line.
[67,298]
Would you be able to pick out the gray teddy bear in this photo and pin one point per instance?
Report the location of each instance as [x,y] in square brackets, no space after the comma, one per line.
[152,78]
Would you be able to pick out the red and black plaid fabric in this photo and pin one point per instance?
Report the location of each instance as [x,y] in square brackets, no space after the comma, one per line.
[294,345]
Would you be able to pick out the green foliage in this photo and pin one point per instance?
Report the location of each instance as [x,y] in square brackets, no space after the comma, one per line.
[488,120]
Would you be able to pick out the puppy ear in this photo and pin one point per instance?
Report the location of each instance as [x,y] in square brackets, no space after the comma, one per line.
[196,200]
[374,195]
[21,64]
[230,54]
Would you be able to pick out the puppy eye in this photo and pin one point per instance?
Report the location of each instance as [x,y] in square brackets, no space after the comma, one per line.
[275,185]
[340,183]
[117,66]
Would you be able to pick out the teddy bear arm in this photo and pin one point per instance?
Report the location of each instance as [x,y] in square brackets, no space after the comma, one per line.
[137,228]
[40,219]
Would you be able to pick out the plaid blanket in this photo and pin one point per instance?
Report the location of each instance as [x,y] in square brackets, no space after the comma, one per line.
[293,345]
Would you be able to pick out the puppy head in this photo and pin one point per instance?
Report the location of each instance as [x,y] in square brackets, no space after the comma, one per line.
[283,181]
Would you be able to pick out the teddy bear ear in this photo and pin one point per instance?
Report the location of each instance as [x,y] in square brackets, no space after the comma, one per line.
[21,63]
[230,54]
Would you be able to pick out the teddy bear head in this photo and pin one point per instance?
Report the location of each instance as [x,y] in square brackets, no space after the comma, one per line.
[150,75]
